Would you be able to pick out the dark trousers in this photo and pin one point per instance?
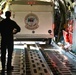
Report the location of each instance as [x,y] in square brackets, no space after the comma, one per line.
[9,46]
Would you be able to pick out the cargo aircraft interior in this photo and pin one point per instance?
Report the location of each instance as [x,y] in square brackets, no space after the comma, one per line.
[46,44]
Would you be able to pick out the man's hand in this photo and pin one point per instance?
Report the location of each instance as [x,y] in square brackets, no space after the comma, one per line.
[14,31]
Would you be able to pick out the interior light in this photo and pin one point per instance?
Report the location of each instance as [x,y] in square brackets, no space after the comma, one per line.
[75,9]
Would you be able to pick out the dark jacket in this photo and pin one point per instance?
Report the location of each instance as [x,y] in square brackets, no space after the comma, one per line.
[6,28]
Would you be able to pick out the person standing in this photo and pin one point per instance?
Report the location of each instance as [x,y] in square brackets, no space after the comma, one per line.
[8,27]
